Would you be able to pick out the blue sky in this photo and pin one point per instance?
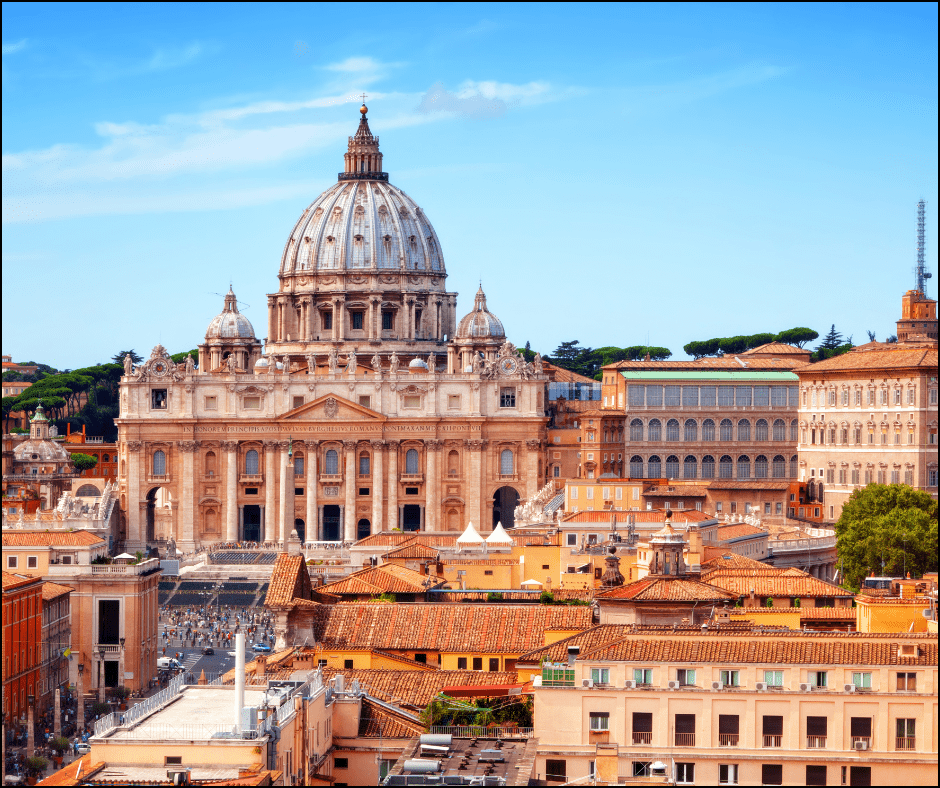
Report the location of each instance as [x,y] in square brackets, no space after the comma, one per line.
[613,174]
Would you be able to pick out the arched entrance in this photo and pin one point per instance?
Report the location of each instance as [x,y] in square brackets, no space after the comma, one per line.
[159,524]
[331,523]
[300,528]
[251,523]
[505,500]
[363,529]
[411,517]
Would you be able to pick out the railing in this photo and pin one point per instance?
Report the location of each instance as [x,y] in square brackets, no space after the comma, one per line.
[905,742]
[412,478]
[251,478]
[865,739]
[126,569]
[816,742]
[791,545]
[772,740]
[642,737]
[191,731]
[157,479]
[727,739]
[363,176]
[685,740]
[107,648]
[482,732]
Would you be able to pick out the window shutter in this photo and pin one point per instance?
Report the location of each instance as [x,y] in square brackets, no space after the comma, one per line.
[816,726]
[642,722]
[773,725]
[727,723]
[861,726]
[685,723]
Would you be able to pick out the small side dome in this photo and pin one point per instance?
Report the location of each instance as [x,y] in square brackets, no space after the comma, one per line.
[261,363]
[417,365]
[230,323]
[480,323]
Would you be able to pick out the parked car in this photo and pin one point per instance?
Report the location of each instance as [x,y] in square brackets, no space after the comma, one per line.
[208,652]
[83,748]
[264,648]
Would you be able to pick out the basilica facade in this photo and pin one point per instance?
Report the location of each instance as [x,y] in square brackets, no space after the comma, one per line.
[369,407]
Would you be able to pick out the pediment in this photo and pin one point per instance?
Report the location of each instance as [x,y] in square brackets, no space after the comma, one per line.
[331,407]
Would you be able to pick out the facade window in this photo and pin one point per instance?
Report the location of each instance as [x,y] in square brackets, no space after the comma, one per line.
[331,463]
[730,678]
[636,430]
[643,676]
[411,401]
[773,678]
[690,468]
[159,463]
[818,678]
[636,467]
[212,403]
[780,430]
[556,771]
[708,430]
[158,399]
[780,467]
[708,467]
[387,320]
[357,319]
[725,467]
[453,402]
[760,467]
[691,430]
[506,463]
[724,430]
[672,430]
[411,462]
[685,773]
[298,466]
[744,430]
[654,468]
[906,733]
[655,430]
[251,403]
[862,680]
[907,682]
[672,466]
[744,467]
[771,774]
[326,318]
[760,430]
[600,676]
[507,397]
[727,774]
[363,464]
[251,462]
[685,677]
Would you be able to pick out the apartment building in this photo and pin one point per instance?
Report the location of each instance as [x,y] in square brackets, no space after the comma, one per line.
[869,415]
[56,642]
[732,706]
[22,628]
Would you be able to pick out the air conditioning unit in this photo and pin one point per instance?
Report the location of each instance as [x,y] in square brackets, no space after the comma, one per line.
[630,684]
[760,686]
[717,685]
[861,745]
[849,688]
[804,688]
[927,612]
[673,685]
[589,683]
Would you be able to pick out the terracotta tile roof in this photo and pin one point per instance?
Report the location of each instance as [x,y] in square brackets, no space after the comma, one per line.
[558,374]
[52,591]
[67,774]
[395,539]
[388,578]
[672,589]
[560,594]
[737,530]
[728,560]
[50,539]
[655,516]
[900,357]
[734,484]
[772,582]
[684,491]
[415,689]
[380,722]
[778,647]
[588,639]
[805,613]
[413,549]
[415,665]
[11,580]
[776,347]
[289,581]
[868,599]
[483,629]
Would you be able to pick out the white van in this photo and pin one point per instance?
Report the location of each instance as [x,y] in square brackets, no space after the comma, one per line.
[168,663]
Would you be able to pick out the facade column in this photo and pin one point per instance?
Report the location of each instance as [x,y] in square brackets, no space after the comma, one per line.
[341,328]
[270,491]
[133,511]
[312,524]
[231,490]
[476,482]
[371,318]
[286,480]
[287,522]
[187,508]
[532,482]
[378,452]
[335,330]
[433,487]
[349,516]
[272,321]
[392,520]
[319,521]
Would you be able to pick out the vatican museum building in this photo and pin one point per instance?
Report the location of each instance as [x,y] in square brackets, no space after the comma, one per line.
[370,407]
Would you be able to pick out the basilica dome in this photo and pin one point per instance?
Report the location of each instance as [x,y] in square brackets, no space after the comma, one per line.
[480,323]
[230,323]
[362,222]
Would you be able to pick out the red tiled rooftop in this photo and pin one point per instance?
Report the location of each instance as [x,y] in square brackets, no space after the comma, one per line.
[52,591]
[672,589]
[50,539]
[679,516]
[899,357]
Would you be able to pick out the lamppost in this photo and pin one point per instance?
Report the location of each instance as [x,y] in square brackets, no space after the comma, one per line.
[121,665]
[81,697]
[101,653]
[30,727]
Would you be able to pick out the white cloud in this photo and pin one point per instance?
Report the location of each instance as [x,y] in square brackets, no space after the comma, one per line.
[173,57]
[357,65]
[481,99]
[12,49]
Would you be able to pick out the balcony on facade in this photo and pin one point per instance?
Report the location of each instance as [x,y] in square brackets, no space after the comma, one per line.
[727,739]
[816,742]
[685,739]
[773,741]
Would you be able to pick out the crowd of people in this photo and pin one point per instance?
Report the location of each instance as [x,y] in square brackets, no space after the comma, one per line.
[204,627]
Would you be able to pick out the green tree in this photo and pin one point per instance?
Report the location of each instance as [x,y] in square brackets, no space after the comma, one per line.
[871,336]
[179,358]
[887,529]
[83,462]
[732,345]
[797,336]
[118,358]
[756,340]
[832,340]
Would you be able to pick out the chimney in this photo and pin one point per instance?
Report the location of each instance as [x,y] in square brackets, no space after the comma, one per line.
[239,679]
[573,652]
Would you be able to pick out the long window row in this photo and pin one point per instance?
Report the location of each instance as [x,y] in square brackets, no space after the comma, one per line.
[653,396]
[860,396]
[690,431]
[691,467]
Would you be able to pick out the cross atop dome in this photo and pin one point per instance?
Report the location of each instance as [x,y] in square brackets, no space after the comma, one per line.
[363,158]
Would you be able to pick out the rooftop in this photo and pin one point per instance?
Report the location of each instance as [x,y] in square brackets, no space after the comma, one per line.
[899,357]
[52,591]
[772,582]
[50,539]
[11,581]
[385,579]
[473,761]
[679,516]
[666,589]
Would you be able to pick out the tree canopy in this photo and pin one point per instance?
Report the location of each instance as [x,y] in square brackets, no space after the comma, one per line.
[83,462]
[887,530]
[118,358]
[588,361]
[720,346]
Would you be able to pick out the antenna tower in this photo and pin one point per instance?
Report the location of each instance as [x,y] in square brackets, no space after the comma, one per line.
[920,272]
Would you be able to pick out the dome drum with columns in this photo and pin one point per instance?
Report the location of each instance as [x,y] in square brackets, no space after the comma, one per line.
[230,341]
[363,266]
